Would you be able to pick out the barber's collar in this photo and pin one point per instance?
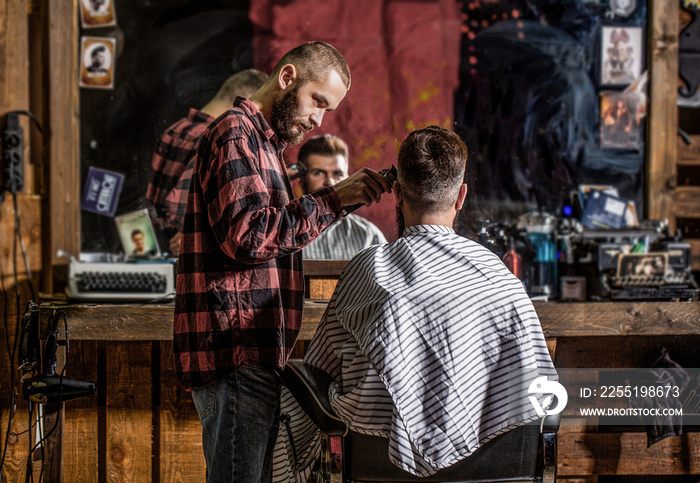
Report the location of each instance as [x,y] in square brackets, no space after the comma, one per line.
[258,121]
[415,229]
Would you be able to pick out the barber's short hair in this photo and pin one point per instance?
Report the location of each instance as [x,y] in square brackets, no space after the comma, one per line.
[313,61]
[244,83]
[431,167]
[326,145]
[136,231]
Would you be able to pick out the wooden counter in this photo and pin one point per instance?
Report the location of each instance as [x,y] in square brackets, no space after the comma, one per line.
[142,425]
[116,322]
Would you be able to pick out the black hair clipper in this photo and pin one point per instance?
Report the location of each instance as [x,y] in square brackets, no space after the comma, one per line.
[390,175]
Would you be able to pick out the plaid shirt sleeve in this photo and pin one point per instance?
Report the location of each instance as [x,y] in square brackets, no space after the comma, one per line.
[172,170]
[247,202]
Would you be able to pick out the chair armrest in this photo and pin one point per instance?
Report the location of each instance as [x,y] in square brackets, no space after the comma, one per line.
[547,449]
[309,386]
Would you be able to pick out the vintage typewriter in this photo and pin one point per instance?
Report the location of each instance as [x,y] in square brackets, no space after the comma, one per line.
[152,281]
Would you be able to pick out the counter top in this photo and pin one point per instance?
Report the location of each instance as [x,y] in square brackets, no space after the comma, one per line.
[126,322]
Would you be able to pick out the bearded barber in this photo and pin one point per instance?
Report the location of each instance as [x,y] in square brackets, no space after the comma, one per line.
[240,287]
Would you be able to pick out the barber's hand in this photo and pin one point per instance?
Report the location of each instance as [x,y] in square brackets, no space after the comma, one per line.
[175,245]
[361,188]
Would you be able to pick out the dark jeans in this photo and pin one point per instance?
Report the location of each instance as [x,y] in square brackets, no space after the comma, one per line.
[240,419]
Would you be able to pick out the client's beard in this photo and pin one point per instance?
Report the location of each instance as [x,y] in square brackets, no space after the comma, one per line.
[400,222]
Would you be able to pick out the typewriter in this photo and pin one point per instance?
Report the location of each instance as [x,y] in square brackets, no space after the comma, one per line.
[121,281]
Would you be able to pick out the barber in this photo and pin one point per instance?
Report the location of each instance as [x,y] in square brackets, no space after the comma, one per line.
[240,287]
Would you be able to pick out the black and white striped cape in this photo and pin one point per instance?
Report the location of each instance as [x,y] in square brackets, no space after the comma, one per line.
[433,344]
[344,239]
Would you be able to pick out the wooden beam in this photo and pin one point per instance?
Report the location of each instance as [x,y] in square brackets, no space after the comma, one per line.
[61,136]
[662,117]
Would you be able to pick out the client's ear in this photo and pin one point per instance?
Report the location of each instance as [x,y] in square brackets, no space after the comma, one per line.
[396,189]
[461,196]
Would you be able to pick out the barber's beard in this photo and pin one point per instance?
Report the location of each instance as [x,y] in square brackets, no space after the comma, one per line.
[284,119]
[400,222]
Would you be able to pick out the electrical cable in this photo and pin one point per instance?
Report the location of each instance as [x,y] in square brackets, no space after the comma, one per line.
[44,438]
[17,238]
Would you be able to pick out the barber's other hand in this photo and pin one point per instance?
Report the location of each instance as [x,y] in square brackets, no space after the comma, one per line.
[175,245]
[363,187]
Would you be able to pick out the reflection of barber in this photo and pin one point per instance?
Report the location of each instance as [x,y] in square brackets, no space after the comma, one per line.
[326,161]
[97,60]
[174,157]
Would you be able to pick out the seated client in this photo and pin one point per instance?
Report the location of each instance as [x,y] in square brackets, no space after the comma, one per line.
[431,340]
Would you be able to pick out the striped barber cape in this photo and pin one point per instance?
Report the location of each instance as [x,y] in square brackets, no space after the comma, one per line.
[432,343]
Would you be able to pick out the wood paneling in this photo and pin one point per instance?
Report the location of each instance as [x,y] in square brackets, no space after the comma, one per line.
[689,153]
[583,454]
[80,425]
[662,118]
[129,415]
[687,202]
[181,453]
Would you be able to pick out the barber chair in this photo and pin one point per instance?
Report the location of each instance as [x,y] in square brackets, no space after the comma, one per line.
[525,453]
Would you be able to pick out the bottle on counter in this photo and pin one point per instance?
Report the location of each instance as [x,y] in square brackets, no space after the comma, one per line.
[512,260]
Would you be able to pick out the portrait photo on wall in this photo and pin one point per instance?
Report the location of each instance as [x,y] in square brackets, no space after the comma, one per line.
[621,55]
[621,115]
[137,235]
[97,62]
[97,13]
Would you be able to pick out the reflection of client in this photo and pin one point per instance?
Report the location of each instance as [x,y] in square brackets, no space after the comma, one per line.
[173,159]
[326,161]
[139,241]
[97,59]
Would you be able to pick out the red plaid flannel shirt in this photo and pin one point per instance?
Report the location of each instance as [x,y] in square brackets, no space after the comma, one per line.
[240,286]
[172,164]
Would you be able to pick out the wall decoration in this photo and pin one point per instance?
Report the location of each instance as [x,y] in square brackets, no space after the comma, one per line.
[97,62]
[97,13]
[622,8]
[102,189]
[621,55]
[620,121]
[137,235]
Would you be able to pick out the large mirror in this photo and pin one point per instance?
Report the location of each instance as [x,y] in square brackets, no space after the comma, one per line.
[522,81]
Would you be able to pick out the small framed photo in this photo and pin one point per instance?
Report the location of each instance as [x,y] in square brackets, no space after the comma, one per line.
[97,13]
[621,115]
[642,265]
[137,235]
[621,55]
[97,62]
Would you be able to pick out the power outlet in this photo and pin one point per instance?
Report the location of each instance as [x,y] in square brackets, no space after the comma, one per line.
[12,154]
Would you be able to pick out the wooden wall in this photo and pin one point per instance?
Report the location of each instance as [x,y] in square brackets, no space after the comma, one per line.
[15,292]
[142,425]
